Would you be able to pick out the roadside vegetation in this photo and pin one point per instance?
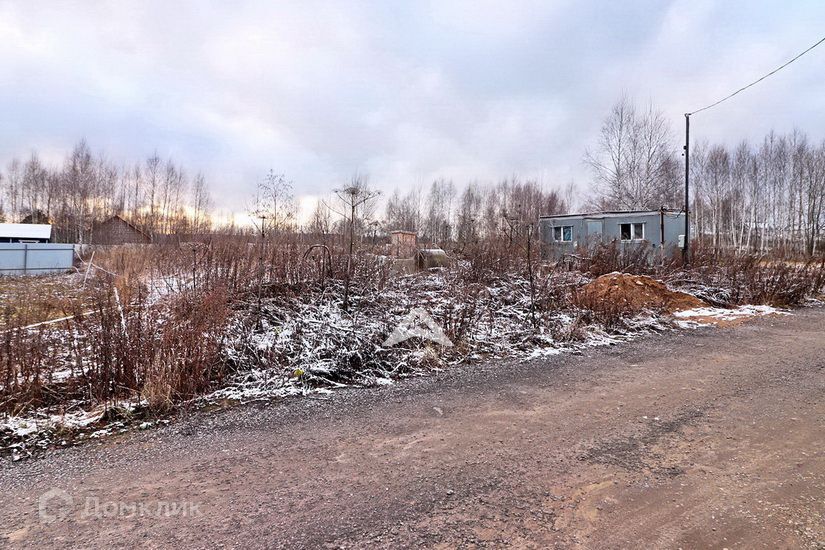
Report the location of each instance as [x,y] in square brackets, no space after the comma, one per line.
[143,332]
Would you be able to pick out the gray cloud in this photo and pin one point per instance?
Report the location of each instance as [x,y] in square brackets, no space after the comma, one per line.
[404,91]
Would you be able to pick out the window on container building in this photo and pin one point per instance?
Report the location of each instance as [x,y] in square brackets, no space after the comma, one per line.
[563,233]
[632,231]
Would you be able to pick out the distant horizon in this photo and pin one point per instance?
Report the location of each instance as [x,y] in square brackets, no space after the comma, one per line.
[406,93]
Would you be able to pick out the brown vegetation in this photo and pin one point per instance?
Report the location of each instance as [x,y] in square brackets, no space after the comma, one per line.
[157,326]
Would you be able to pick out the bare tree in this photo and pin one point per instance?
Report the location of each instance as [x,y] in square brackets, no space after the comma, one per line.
[635,165]
[2,195]
[152,174]
[274,204]
[320,223]
[438,222]
[469,212]
[201,205]
[403,212]
[13,190]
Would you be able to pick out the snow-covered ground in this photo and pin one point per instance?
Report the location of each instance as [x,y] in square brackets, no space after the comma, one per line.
[704,316]
[302,342]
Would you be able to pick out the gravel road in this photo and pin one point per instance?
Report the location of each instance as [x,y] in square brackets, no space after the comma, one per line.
[713,438]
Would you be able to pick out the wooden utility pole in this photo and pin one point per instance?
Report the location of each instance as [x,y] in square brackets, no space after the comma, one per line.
[686,244]
[662,233]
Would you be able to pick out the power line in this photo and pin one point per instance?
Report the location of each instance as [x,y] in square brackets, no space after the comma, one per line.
[776,70]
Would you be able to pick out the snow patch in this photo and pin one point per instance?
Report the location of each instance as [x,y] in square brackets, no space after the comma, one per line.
[704,316]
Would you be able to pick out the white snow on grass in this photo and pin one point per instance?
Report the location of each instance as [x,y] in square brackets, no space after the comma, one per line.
[303,344]
[704,316]
[23,426]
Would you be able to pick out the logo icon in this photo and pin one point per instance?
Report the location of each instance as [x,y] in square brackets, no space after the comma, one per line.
[53,505]
[417,323]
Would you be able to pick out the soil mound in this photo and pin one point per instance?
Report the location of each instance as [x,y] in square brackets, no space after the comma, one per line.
[634,293]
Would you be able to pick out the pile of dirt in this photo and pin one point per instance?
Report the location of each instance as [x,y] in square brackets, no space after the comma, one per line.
[634,293]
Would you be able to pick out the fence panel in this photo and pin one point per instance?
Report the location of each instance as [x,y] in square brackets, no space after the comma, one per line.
[35,258]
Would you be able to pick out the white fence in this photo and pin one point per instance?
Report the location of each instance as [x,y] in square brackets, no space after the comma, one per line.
[35,258]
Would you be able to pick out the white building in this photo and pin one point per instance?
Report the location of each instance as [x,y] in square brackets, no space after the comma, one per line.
[25,233]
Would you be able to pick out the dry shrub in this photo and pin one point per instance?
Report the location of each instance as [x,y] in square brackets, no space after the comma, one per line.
[490,258]
[370,272]
[463,311]
[777,283]
[235,264]
[166,352]
[555,290]
[608,313]
[721,277]
[32,349]
[578,329]
[735,279]
[129,261]
[187,360]
[157,334]
[602,258]
[26,361]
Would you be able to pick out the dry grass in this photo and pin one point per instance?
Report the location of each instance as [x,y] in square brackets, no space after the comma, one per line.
[721,278]
[737,279]
[150,326]
[28,300]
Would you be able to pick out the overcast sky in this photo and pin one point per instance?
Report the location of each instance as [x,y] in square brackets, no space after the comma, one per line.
[403,91]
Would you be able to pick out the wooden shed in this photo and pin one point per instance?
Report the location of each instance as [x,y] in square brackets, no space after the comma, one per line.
[403,244]
[116,230]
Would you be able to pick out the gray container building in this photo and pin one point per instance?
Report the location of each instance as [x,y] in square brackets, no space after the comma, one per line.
[656,229]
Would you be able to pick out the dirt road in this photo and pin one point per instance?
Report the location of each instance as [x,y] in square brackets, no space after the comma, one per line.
[712,438]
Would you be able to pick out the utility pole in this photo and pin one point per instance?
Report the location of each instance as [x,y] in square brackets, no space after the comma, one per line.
[686,244]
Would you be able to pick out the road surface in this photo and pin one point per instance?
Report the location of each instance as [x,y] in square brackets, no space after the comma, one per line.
[712,438]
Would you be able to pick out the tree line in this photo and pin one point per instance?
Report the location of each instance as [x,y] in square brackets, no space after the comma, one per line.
[443,214]
[751,197]
[156,195]
[754,197]
[159,197]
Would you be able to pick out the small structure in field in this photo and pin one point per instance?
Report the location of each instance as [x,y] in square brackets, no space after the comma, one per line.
[116,230]
[403,244]
[408,258]
[428,258]
[25,233]
[658,229]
